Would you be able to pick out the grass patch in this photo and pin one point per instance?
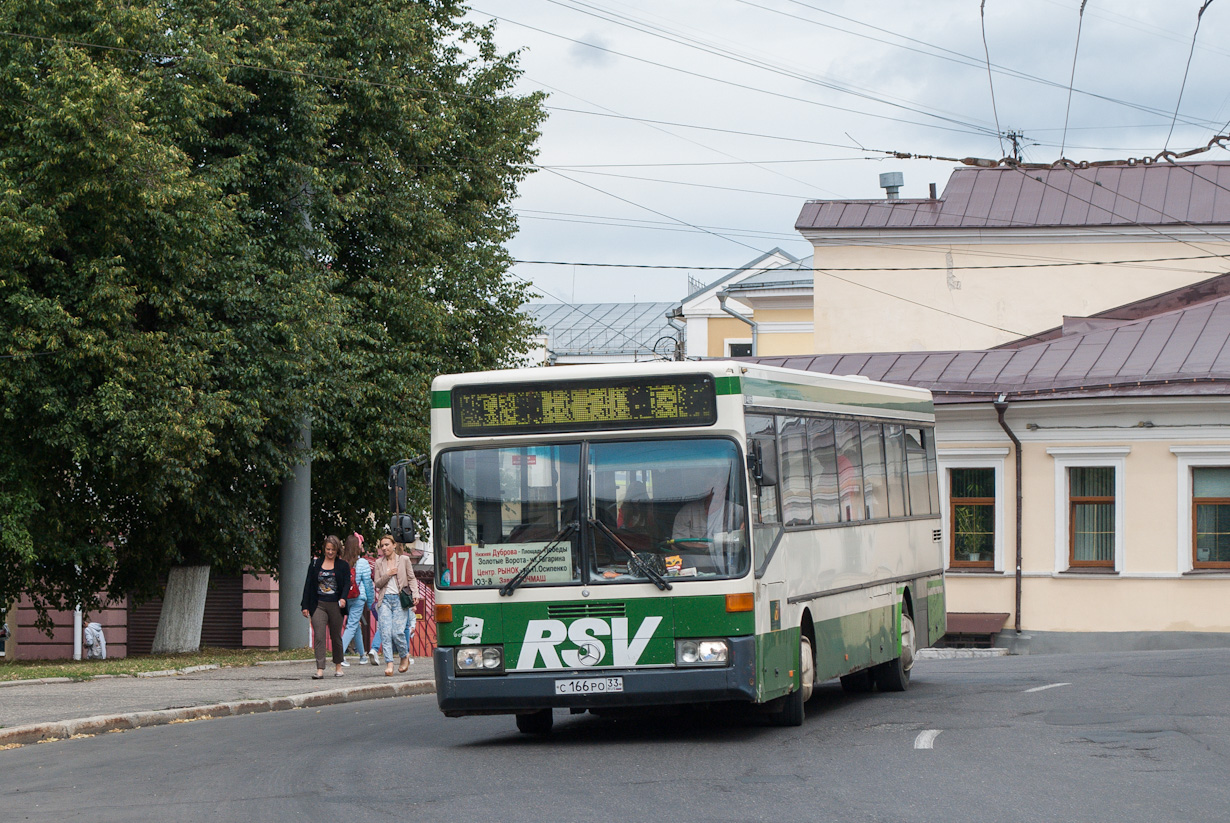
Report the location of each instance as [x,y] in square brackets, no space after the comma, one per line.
[85,669]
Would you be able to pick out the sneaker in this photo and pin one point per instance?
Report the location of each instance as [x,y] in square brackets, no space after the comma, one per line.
[344,663]
[372,657]
[362,660]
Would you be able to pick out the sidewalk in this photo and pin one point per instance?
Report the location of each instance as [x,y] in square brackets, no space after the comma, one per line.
[31,711]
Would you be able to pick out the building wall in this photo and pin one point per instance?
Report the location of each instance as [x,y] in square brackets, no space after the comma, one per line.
[1154,588]
[31,643]
[925,309]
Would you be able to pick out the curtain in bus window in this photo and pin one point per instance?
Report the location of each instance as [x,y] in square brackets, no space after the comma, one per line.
[795,482]
[875,486]
[849,470]
[894,462]
[823,471]
[916,471]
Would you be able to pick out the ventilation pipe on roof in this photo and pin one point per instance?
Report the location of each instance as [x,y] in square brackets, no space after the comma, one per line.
[722,296]
[891,182]
[1001,406]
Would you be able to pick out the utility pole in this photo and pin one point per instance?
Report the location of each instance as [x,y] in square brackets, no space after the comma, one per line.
[1015,137]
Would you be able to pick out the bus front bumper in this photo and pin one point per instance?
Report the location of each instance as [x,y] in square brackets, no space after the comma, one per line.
[529,691]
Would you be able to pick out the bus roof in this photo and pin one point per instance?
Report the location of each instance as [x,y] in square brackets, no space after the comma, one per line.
[761,386]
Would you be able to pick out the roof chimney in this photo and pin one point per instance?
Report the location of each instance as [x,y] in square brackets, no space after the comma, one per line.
[891,182]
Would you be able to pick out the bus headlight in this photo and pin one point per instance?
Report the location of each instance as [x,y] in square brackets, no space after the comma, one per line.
[701,652]
[479,660]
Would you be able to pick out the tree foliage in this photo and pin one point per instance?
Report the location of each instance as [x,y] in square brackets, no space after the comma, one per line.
[218,219]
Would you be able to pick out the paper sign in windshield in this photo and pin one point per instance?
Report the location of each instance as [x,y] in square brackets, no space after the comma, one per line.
[496,563]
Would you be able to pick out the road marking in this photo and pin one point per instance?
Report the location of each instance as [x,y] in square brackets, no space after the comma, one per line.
[926,740]
[1044,688]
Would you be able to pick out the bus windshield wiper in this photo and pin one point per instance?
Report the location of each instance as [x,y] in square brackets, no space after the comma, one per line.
[633,558]
[520,576]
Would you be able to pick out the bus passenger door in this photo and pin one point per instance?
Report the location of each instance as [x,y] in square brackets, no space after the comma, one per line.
[777,649]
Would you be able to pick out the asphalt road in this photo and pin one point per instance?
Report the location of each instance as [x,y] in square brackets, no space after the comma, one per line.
[1112,737]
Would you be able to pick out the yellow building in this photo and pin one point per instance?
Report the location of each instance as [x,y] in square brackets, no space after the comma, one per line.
[1116,431]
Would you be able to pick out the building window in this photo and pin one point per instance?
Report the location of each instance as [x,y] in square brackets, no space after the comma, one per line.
[740,349]
[1091,516]
[972,481]
[972,515]
[1089,506]
[1211,517]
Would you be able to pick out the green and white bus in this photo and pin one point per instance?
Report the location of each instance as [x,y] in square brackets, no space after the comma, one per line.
[651,534]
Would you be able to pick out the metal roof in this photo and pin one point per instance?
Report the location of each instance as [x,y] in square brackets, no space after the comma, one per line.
[601,329]
[1155,195]
[1181,352]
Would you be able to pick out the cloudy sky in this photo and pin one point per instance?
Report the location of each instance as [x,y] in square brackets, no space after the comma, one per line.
[688,134]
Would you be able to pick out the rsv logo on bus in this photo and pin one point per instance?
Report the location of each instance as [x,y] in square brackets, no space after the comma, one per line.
[589,636]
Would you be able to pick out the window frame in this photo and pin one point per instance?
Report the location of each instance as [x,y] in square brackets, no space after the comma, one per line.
[1194,457]
[953,502]
[1113,457]
[973,458]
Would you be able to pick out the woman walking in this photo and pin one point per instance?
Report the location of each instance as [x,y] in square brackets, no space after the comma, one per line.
[324,597]
[361,593]
[394,576]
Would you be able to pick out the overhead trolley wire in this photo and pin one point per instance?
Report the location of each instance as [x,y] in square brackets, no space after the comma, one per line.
[968,128]
[1186,69]
[1080,20]
[982,16]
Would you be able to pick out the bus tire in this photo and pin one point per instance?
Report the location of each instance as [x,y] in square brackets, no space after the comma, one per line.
[792,705]
[538,722]
[859,682]
[894,676]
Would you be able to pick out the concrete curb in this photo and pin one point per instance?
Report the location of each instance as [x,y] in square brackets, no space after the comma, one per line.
[61,729]
[40,681]
[959,654]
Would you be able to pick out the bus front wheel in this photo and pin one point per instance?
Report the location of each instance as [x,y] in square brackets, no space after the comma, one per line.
[792,711]
[894,676]
[538,722]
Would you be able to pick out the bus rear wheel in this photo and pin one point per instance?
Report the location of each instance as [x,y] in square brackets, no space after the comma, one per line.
[894,676]
[538,722]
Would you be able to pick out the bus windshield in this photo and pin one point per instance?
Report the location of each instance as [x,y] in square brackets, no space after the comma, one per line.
[678,504]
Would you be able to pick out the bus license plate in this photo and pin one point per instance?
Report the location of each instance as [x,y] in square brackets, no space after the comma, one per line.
[590,685]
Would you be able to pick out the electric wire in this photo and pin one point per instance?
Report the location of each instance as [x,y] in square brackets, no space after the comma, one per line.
[982,17]
[643,27]
[1080,20]
[968,128]
[1186,69]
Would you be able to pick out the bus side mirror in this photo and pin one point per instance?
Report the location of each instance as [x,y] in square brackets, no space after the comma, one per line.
[397,486]
[398,478]
[762,463]
[401,528]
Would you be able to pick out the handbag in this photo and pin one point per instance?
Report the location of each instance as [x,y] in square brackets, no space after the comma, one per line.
[406,600]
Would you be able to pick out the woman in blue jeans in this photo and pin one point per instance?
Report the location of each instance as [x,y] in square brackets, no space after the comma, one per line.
[393,575]
[366,594]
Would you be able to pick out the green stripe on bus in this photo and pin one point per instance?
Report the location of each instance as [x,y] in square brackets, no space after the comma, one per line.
[934,584]
[759,387]
[727,385]
[441,399]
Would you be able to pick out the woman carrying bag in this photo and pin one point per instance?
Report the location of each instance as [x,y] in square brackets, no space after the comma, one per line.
[396,586]
[324,597]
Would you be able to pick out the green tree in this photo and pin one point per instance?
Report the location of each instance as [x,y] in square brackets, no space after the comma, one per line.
[217,218]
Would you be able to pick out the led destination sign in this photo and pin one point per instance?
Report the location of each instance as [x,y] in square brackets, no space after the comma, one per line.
[584,405]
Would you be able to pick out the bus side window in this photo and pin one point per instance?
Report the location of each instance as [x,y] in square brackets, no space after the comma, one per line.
[849,470]
[795,478]
[823,470]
